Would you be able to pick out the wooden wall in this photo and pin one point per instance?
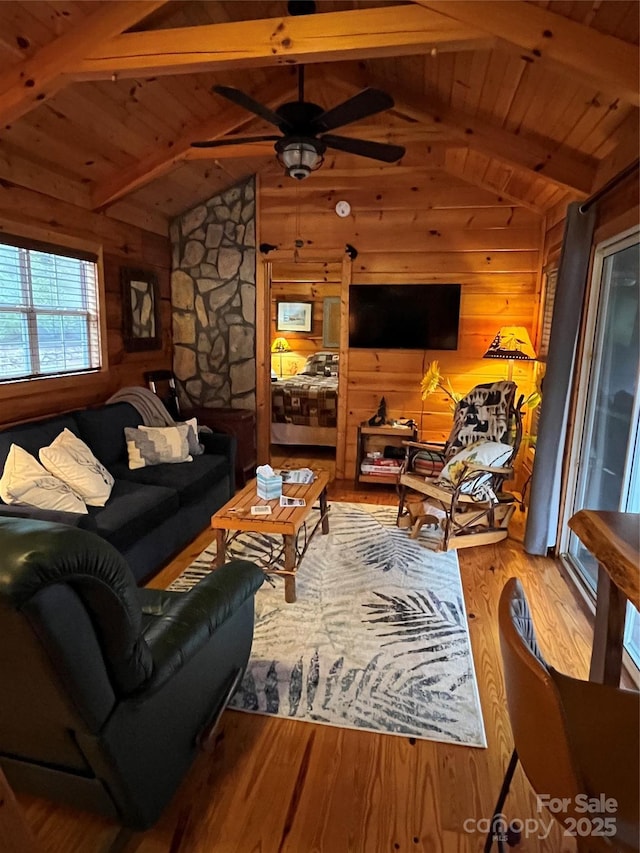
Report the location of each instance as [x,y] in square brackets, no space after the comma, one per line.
[415,225]
[35,215]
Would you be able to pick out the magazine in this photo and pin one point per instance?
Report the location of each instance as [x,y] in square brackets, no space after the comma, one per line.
[297,476]
[285,501]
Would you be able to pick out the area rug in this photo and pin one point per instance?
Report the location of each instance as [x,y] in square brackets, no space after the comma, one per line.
[378,637]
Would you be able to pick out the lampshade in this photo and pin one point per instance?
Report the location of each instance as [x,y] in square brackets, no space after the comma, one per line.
[280,345]
[511,342]
[300,155]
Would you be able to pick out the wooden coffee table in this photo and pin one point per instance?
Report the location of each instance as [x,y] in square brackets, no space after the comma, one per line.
[235,518]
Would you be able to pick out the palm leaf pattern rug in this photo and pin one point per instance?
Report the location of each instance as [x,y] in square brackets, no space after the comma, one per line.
[377,639]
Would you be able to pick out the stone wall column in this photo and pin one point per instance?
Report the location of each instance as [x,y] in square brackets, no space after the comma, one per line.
[213,295]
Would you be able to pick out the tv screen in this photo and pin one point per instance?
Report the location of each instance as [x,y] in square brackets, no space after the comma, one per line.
[404,316]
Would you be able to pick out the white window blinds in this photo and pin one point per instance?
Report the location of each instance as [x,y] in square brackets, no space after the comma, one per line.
[49,321]
[547,314]
[551,278]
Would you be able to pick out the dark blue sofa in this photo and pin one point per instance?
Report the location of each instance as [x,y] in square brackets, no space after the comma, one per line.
[152,512]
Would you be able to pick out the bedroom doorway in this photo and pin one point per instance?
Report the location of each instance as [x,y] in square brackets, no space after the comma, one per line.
[302,336]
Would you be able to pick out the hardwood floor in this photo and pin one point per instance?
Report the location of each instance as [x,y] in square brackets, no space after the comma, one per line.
[275,785]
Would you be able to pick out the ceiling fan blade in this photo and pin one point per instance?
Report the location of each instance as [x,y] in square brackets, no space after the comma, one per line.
[237,140]
[248,103]
[364,104]
[365,148]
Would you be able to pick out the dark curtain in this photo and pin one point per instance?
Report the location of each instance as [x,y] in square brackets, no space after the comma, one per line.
[544,505]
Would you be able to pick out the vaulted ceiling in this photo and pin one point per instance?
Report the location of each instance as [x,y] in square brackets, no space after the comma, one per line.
[99,101]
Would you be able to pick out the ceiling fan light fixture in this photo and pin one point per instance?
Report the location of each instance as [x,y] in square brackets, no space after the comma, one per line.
[300,155]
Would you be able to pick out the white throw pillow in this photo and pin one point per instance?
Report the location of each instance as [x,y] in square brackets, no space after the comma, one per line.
[492,453]
[25,482]
[157,445]
[69,459]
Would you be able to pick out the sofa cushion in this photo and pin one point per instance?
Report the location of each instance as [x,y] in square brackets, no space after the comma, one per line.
[103,430]
[189,479]
[32,437]
[132,511]
[492,453]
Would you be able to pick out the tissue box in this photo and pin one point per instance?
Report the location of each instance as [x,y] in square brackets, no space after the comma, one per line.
[269,486]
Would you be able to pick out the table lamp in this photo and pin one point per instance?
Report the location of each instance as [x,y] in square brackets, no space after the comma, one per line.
[512,343]
[280,345]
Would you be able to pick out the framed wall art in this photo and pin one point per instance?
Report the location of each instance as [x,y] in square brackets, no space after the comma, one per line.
[140,310]
[294,316]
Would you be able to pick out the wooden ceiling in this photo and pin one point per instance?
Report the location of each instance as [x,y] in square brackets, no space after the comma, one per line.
[100,100]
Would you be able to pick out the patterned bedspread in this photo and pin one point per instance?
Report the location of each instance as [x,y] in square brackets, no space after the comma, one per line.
[305,400]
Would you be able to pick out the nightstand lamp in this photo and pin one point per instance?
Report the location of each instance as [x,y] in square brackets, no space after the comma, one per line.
[280,345]
[512,343]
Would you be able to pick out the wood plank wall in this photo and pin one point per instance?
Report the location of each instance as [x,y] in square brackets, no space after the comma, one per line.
[35,215]
[417,226]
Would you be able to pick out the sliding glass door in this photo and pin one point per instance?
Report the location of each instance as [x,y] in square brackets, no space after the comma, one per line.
[606,453]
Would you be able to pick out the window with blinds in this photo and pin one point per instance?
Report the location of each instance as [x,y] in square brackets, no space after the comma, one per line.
[49,321]
[547,314]
[545,334]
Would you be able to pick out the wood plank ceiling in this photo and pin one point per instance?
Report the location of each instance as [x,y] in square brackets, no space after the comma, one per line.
[527,106]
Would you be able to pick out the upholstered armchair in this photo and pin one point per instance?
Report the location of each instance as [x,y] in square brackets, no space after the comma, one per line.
[108,690]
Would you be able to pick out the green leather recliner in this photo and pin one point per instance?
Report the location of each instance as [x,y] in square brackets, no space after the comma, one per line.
[107,688]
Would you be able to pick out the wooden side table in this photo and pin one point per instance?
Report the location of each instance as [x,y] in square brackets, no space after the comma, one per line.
[238,422]
[376,439]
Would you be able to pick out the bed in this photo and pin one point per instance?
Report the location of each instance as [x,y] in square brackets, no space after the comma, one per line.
[304,407]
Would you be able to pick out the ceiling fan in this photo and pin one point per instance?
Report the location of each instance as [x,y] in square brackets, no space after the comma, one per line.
[304,128]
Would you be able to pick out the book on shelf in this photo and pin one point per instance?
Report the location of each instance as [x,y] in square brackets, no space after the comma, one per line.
[381,467]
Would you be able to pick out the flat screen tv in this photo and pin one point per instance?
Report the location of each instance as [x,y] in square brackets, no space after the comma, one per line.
[404,316]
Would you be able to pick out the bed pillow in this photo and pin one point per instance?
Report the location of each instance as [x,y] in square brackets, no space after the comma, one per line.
[321,364]
[25,482]
[148,446]
[69,459]
[492,453]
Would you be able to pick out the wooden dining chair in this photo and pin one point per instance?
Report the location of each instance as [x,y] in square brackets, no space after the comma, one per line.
[576,740]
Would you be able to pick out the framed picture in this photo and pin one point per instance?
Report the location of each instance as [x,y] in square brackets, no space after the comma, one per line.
[140,310]
[331,322]
[294,316]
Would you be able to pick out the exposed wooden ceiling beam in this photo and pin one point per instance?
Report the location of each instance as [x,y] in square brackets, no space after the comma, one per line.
[38,78]
[624,153]
[566,167]
[232,150]
[163,159]
[612,64]
[326,37]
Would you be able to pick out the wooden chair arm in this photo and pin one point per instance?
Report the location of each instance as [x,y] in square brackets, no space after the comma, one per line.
[426,445]
[488,469]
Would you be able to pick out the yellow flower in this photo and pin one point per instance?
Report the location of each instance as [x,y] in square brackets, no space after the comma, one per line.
[431,380]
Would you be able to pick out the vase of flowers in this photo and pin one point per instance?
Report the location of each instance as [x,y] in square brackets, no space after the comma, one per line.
[433,379]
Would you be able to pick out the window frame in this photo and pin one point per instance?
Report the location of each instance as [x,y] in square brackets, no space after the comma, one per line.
[37,240]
